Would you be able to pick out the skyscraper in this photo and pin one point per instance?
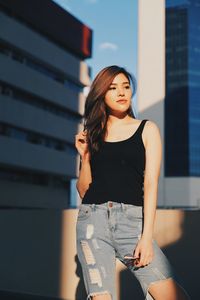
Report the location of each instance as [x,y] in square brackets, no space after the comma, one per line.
[182,105]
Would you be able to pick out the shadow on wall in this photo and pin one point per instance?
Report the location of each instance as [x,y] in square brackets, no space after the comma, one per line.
[184,254]
[30,253]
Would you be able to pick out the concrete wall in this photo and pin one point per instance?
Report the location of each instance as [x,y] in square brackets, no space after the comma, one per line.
[38,253]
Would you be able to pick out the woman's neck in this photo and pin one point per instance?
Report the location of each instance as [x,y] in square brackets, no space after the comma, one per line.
[116,120]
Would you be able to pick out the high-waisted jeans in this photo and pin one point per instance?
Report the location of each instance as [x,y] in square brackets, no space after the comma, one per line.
[112,230]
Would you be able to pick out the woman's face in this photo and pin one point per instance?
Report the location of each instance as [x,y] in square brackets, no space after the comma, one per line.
[118,96]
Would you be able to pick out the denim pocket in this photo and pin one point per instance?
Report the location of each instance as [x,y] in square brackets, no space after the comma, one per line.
[84,212]
[133,212]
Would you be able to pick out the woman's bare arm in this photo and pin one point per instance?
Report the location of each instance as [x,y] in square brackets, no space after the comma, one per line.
[153,149]
[151,177]
[85,177]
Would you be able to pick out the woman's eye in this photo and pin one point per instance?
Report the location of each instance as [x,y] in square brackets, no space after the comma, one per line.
[114,88]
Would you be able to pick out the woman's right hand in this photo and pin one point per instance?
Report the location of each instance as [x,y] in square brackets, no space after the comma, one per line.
[82,145]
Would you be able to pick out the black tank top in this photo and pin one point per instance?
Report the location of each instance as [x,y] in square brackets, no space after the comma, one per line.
[118,171]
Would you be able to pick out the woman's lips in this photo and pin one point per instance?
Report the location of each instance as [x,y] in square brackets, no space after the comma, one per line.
[121,101]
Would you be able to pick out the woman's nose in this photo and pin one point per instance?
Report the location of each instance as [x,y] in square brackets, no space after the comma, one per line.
[121,91]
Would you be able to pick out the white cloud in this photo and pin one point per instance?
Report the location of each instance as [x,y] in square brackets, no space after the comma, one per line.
[109,46]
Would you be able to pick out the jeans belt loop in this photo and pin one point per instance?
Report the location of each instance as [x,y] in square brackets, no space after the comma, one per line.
[122,206]
[93,206]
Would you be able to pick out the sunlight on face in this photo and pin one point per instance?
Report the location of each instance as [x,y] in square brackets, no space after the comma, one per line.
[118,97]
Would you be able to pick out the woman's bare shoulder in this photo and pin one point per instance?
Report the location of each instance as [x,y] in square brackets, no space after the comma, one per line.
[135,121]
[149,123]
[151,132]
[151,126]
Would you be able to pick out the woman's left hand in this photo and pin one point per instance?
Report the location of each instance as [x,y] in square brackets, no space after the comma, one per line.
[144,251]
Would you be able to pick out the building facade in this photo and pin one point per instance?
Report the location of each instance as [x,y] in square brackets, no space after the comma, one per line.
[42,77]
[168,93]
[181,106]
[183,87]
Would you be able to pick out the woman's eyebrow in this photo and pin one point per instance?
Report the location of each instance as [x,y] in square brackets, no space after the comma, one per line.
[126,82]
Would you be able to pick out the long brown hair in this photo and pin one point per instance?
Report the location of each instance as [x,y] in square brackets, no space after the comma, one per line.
[96,112]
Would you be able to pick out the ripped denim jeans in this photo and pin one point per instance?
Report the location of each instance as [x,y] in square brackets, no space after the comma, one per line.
[108,231]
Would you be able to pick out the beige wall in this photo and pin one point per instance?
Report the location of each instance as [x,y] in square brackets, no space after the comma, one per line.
[151,68]
[38,253]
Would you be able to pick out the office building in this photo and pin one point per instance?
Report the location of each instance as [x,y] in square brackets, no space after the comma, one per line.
[42,77]
[182,107]
[182,89]
[168,93]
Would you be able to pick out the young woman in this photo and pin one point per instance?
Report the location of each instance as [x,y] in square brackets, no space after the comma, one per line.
[118,182]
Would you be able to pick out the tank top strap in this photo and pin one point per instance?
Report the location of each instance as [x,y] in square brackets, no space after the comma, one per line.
[141,126]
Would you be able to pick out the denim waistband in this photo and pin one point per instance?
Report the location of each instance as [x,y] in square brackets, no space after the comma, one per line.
[112,205]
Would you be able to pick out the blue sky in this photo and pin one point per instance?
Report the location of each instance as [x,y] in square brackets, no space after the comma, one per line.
[114,25]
